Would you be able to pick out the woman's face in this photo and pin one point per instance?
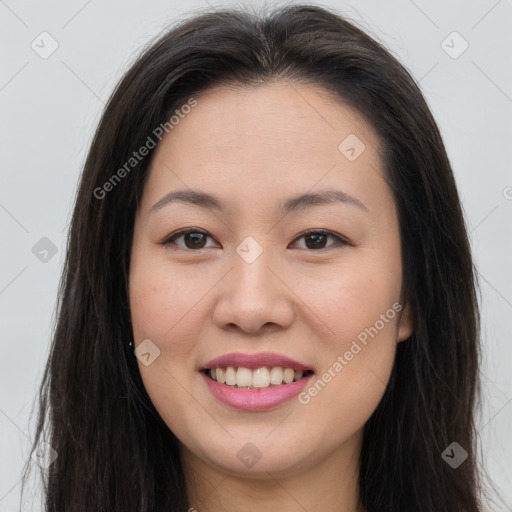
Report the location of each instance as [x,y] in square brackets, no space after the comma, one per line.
[247,285]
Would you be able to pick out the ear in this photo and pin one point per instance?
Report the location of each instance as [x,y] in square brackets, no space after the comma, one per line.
[406,322]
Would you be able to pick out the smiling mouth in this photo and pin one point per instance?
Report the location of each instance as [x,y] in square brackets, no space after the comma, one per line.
[265,377]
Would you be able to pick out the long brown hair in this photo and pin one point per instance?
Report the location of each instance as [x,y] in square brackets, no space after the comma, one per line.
[115,453]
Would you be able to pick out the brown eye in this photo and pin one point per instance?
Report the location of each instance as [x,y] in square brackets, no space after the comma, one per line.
[317,239]
[193,239]
[196,239]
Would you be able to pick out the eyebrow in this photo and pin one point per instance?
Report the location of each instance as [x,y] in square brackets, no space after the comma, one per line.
[302,201]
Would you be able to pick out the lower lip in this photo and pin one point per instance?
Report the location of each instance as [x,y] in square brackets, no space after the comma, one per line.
[257,399]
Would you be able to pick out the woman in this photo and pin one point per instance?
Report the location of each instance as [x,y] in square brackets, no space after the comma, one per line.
[268,297]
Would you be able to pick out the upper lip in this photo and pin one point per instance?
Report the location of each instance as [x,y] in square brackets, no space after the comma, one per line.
[253,361]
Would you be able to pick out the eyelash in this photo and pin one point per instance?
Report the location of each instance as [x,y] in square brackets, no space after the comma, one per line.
[340,240]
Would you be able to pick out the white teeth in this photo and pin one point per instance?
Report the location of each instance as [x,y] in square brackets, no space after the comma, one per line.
[276,375]
[259,378]
[230,376]
[220,375]
[288,375]
[243,377]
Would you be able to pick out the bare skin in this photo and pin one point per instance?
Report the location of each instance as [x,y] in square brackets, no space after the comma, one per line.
[306,298]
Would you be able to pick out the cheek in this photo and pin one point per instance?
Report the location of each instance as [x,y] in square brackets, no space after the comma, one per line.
[162,312]
[361,309]
[164,305]
[356,297]
[165,309]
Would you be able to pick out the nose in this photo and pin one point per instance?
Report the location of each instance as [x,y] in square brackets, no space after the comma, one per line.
[253,297]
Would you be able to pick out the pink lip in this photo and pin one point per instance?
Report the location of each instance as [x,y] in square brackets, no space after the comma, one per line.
[257,399]
[253,361]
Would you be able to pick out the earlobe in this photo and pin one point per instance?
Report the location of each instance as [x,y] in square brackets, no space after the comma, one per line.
[406,322]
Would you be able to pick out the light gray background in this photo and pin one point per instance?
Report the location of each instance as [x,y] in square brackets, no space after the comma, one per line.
[50,107]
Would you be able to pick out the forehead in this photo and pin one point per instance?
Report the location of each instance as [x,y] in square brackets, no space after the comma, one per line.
[268,140]
[302,116]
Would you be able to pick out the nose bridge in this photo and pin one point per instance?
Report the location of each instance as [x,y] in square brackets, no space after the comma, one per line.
[252,279]
[252,296]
